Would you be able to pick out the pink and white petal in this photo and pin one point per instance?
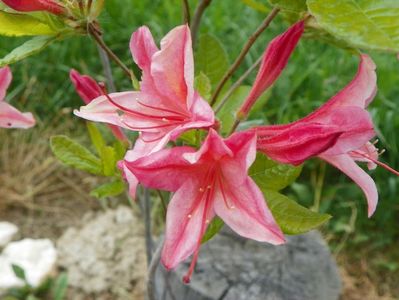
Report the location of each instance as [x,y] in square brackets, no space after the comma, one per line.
[348,166]
[359,92]
[250,217]
[143,47]
[201,110]
[185,224]
[165,169]
[10,117]
[172,68]
[130,178]
[243,145]
[357,127]
[367,150]
[213,148]
[100,110]
[5,80]
[274,60]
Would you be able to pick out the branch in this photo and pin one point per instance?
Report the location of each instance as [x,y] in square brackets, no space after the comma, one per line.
[237,84]
[107,70]
[147,224]
[112,55]
[152,269]
[199,11]
[244,52]
[186,12]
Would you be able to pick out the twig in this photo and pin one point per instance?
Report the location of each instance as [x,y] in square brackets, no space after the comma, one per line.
[186,12]
[107,69]
[147,224]
[111,54]
[152,271]
[244,52]
[237,84]
[199,11]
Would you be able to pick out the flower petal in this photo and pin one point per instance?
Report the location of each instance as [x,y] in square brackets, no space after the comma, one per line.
[143,47]
[87,88]
[250,217]
[5,80]
[35,5]
[165,169]
[10,117]
[347,165]
[274,61]
[185,224]
[359,92]
[298,143]
[173,67]
[213,148]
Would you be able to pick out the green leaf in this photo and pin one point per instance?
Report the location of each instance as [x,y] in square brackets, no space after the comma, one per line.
[214,227]
[292,217]
[211,58]
[75,155]
[108,159]
[60,287]
[202,85]
[22,25]
[227,114]
[28,48]
[257,5]
[290,5]
[110,189]
[19,272]
[363,24]
[271,175]
[96,137]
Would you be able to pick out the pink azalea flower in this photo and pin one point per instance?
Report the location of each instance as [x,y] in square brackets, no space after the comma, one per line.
[339,132]
[35,5]
[273,63]
[10,117]
[88,89]
[207,182]
[166,105]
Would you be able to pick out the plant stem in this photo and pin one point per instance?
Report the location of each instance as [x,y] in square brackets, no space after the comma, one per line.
[199,11]
[147,224]
[186,12]
[236,85]
[107,69]
[152,269]
[110,53]
[244,51]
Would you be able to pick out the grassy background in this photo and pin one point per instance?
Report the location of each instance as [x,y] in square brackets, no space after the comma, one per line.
[316,72]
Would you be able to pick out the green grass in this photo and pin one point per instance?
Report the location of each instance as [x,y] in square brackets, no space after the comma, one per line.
[316,72]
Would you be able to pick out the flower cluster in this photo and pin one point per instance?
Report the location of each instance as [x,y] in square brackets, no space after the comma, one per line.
[213,180]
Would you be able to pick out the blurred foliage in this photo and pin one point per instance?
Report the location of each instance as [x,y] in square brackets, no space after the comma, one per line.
[316,72]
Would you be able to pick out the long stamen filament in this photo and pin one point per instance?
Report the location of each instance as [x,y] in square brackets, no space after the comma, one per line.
[123,108]
[377,162]
[163,109]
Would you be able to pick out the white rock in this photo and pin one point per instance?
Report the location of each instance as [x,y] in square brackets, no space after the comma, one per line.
[7,232]
[37,258]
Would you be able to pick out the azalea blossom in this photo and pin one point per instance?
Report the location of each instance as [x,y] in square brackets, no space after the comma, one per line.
[10,117]
[166,105]
[346,115]
[207,182]
[88,89]
[35,5]
[274,60]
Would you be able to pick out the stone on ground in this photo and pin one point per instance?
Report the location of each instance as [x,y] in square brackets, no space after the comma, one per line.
[233,268]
